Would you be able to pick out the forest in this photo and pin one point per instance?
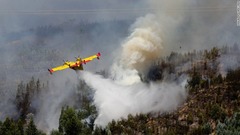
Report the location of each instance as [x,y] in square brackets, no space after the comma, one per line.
[166,67]
[212,106]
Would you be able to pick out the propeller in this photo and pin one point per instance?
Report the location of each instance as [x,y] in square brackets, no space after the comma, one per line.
[65,61]
[77,58]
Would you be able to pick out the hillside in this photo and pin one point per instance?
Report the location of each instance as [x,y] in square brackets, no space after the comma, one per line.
[202,113]
[211,107]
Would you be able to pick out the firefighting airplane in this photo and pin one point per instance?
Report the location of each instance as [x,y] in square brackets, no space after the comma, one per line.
[75,65]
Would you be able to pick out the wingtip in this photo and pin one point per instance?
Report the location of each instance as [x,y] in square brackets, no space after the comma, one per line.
[99,54]
[50,71]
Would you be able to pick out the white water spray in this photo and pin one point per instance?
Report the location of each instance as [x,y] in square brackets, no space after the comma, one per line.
[124,93]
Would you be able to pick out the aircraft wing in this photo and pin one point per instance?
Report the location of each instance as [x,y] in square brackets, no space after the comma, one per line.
[74,64]
[62,67]
[90,58]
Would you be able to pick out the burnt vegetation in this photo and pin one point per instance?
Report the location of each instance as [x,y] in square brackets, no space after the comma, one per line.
[212,106]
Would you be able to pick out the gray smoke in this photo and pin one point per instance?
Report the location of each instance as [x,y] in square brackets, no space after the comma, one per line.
[125,93]
[186,24]
[229,59]
[61,93]
[175,26]
[139,51]
[193,24]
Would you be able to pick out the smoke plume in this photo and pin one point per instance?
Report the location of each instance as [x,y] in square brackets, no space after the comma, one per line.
[198,25]
[139,51]
[124,93]
[179,26]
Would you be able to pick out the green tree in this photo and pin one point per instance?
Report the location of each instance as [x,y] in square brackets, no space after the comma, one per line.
[61,121]
[31,128]
[55,132]
[213,54]
[20,126]
[216,112]
[38,86]
[233,75]
[9,127]
[195,79]
[69,123]
[218,79]
[231,126]
[201,130]
[99,131]
[24,96]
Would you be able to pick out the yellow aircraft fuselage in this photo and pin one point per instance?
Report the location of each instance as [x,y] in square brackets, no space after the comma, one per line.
[75,65]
